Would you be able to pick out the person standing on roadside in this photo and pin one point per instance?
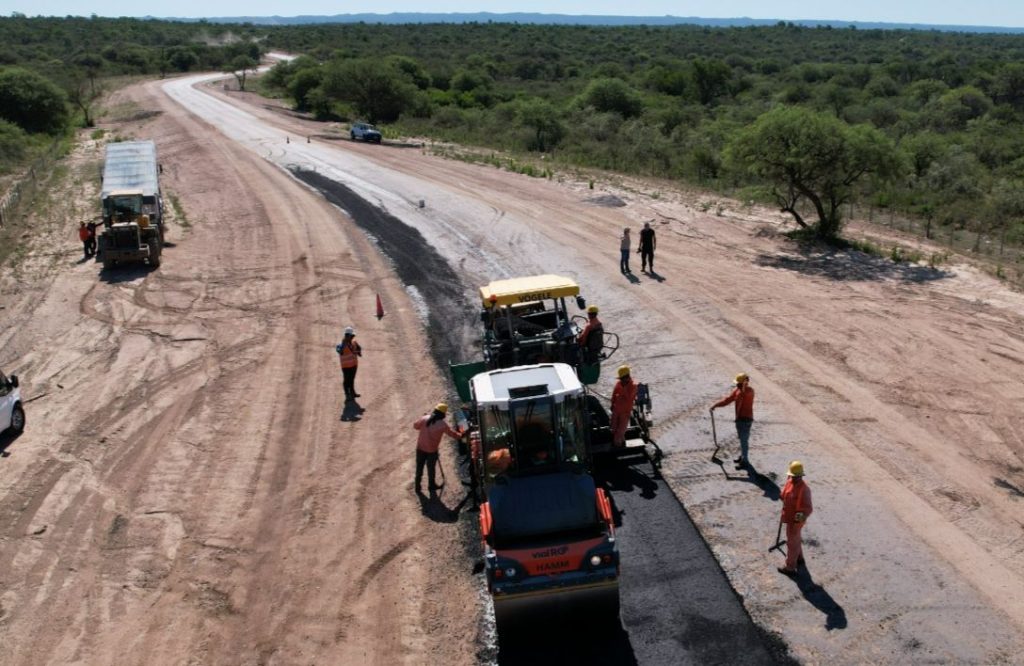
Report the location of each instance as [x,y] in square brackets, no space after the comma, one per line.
[591,339]
[91,226]
[796,509]
[743,396]
[623,397]
[624,245]
[83,235]
[648,243]
[349,352]
[432,427]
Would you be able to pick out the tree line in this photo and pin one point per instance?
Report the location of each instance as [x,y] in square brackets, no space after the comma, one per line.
[925,123]
[53,70]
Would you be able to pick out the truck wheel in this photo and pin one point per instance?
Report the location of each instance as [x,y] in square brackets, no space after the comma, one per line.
[17,419]
[154,254]
[108,264]
[352,135]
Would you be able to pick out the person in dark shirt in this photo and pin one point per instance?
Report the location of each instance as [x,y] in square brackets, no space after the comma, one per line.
[647,245]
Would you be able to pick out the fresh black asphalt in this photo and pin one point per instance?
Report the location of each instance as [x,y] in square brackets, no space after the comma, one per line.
[677,606]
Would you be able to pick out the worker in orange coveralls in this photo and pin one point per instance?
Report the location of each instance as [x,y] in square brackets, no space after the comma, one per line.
[432,428]
[743,396]
[592,337]
[796,509]
[623,398]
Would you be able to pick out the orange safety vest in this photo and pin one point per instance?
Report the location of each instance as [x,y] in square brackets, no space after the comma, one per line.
[349,353]
[83,233]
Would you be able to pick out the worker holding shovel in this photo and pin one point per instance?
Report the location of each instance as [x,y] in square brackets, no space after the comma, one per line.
[796,509]
[432,428]
[743,396]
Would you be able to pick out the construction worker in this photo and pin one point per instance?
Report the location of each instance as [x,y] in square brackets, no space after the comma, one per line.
[624,244]
[91,227]
[592,337]
[743,396]
[796,509]
[432,427]
[349,352]
[648,243]
[83,235]
[623,397]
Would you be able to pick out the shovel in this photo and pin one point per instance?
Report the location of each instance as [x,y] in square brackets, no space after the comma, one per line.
[779,541]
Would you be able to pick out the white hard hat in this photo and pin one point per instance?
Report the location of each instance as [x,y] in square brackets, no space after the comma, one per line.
[349,330]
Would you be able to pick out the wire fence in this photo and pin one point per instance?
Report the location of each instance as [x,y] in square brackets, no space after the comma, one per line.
[1002,249]
[25,189]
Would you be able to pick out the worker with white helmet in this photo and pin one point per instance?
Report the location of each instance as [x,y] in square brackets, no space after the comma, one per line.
[349,352]
[796,509]
[743,396]
[623,397]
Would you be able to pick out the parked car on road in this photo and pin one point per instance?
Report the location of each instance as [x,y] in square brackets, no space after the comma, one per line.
[12,414]
[366,132]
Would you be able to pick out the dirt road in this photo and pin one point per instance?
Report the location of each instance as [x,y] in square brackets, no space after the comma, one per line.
[185,490]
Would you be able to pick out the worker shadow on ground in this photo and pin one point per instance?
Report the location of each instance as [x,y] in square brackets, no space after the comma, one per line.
[818,596]
[766,483]
[632,278]
[433,507]
[127,273]
[6,439]
[848,265]
[351,411]
[654,276]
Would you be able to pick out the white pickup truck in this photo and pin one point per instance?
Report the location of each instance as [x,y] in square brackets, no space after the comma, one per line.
[12,414]
[366,132]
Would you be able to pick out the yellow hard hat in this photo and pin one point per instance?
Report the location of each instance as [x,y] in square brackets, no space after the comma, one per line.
[742,377]
[441,407]
[796,468]
[623,371]
[592,309]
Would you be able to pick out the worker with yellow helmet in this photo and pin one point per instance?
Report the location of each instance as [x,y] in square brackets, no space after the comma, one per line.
[743,396]
[623,397]
[432,428]
[796,509]
[592,337]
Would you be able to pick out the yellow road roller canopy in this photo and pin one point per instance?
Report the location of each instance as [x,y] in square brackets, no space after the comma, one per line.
[527,290]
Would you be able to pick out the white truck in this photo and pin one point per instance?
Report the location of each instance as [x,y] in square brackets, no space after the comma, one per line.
[12,414]
[133,227]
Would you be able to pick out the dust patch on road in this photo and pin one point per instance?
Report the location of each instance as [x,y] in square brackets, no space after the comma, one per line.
[418,265]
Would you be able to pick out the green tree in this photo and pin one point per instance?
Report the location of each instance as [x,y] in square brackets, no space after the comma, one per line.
[240,66]
[32,102]
[814,158]
[540,116]
[710,78]
[379,93]
[612,96]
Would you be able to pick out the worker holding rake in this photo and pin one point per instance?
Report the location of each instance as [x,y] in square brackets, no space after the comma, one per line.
[796,509]
[743,396]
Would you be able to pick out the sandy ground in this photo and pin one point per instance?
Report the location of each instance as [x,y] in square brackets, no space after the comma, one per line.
[185,491]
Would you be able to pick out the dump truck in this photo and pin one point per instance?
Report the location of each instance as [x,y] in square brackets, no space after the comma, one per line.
[133,225]
[547,527]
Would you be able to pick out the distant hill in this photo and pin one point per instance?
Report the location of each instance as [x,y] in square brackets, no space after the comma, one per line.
[567,19]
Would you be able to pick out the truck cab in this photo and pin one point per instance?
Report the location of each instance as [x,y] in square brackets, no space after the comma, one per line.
[132,229]
[547,529]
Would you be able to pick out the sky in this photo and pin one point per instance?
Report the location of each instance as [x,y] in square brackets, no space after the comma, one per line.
[1005,13]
